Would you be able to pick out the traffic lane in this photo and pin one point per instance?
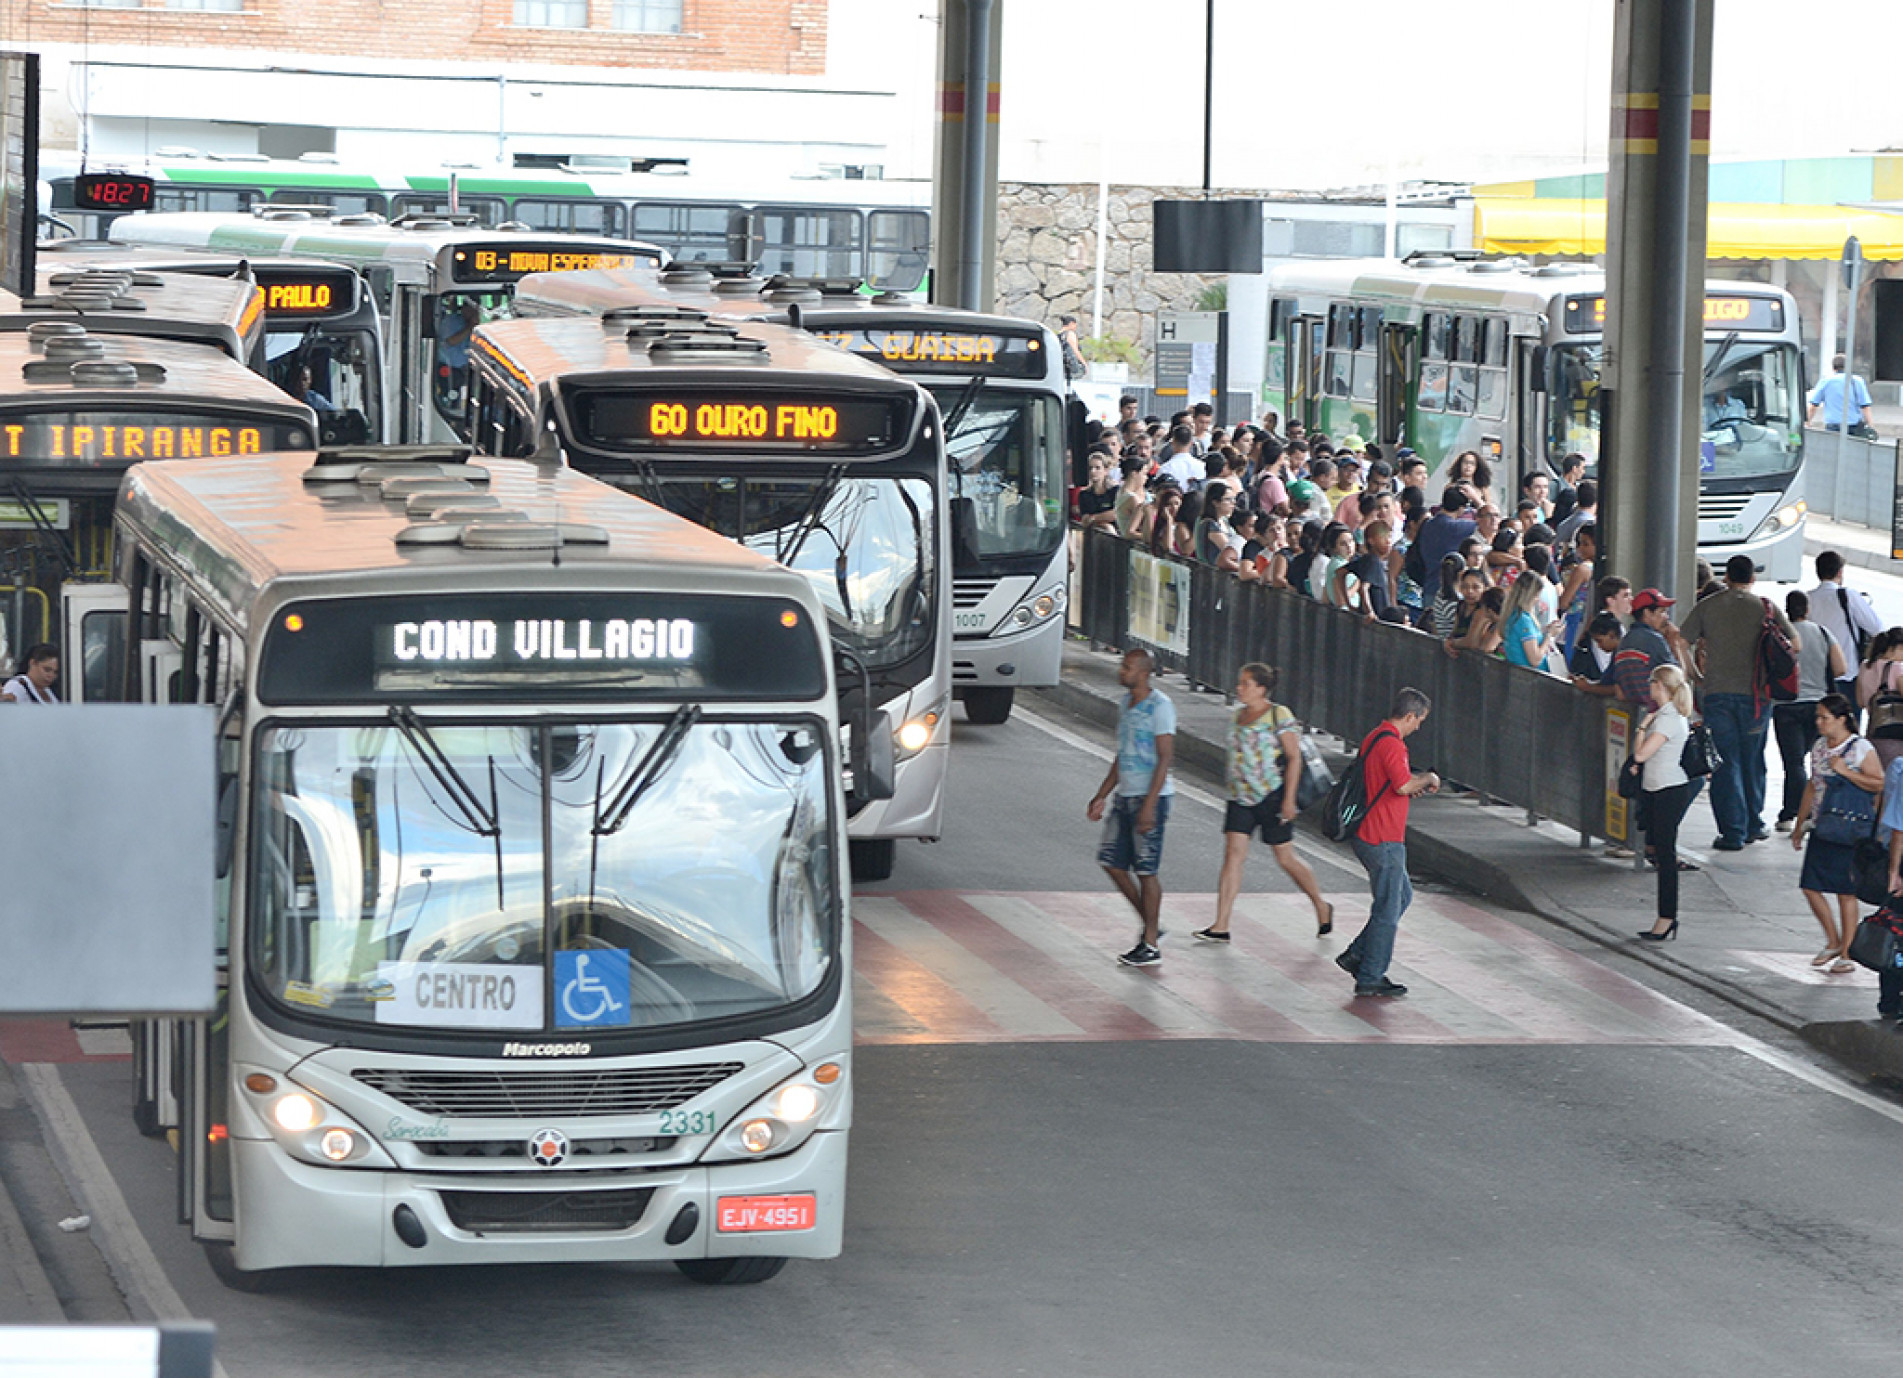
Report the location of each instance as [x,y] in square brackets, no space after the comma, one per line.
[1161,1208]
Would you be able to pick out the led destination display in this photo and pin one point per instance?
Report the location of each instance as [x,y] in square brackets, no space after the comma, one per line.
[945,351]
[754,422]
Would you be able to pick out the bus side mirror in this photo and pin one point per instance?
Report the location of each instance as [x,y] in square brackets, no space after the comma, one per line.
[1077,417]
[225,830]
[1536,365]
[875,763]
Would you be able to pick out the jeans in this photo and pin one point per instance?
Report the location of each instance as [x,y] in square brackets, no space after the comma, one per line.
[1665,810]
[1795,727]
[1373,947]
[1737,787]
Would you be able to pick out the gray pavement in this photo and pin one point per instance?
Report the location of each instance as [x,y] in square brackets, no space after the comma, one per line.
[1746,934]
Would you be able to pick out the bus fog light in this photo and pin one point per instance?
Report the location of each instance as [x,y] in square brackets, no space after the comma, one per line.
[1021,618]
[337,1144]
[1044,606]
[756,1136]
[295,1112]
[796,1103]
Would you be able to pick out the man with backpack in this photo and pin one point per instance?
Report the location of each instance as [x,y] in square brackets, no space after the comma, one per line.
[1728,633]
[1376,826]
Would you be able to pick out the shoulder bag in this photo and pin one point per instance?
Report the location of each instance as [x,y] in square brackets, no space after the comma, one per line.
[1700,755]
[1843,814]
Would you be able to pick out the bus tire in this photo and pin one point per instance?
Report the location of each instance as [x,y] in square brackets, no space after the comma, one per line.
[729,1272]
[990,706]
[145,1118]
[873,857]
[260,1282]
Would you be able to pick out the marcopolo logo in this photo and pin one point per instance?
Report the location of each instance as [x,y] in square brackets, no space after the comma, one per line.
[547,1049]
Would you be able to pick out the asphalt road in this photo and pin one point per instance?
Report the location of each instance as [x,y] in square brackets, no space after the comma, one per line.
[1172,1205]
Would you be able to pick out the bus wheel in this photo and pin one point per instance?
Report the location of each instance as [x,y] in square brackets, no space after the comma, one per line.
[729,1272]
[989,706]
[224,1263]
[873,858]
[145,1117]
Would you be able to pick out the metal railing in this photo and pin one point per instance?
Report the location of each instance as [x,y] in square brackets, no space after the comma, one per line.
[1528,738]
[1861,487]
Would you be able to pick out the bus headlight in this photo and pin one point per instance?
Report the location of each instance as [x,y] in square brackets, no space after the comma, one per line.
[916,732]
[304,1126]
[337,1144]
[784,1118]
[295,1113]
[1032,611]
[1784,518]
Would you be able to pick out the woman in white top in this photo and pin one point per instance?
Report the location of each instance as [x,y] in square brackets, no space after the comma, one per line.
[1845,778]
[1668,789]
[34,683]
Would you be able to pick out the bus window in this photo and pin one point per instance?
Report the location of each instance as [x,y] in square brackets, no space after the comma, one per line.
[1436,337]
[808,241]
[1432,395]
[488,210]
[342,202]
[330,372]
[1463,388]
[699,233]
[102,654]
[204,198]
[576,217]
[899,249]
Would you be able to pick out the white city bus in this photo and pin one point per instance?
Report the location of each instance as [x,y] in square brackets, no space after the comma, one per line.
[999,383]
[532,894]
[1504,358]
[431,279]
[831,465]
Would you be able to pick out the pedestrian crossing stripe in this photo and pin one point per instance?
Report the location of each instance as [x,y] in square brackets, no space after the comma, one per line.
[985,967]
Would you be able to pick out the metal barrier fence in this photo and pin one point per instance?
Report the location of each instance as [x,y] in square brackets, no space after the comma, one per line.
[1529,738]
[1861,487]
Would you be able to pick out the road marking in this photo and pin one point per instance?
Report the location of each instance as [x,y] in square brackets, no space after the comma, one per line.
[127,1254]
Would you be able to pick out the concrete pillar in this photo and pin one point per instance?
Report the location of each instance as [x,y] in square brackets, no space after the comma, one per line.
[1655,239]
[965,273]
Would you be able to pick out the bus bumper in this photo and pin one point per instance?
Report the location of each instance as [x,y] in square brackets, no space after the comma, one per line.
[1779,557]
[298,1215]
[917,805]
[1032,659]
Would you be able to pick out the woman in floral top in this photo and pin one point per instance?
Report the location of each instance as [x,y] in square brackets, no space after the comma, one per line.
[1265,762]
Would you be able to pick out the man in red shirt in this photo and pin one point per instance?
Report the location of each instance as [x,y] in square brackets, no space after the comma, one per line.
[1380,842]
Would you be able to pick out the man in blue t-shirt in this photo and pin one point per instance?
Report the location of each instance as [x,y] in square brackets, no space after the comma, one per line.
[1132,845]
[1827,399]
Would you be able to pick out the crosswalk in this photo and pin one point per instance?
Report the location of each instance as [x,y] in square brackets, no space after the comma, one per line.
[979,967]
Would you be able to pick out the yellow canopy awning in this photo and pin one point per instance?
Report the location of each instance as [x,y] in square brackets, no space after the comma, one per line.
[1567,227]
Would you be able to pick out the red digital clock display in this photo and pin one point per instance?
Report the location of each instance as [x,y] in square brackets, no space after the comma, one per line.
[112,191]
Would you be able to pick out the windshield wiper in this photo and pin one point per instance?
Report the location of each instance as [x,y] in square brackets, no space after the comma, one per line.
[810,519]
[963,405]
[611,819]
[483,820]
[1724,350]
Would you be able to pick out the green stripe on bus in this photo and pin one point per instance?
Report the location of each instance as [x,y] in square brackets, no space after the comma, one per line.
[501,186]
[271,180]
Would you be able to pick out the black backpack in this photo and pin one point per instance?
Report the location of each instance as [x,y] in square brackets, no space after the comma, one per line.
[1347,805]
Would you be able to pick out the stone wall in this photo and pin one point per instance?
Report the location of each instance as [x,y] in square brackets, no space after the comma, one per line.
[1047,260]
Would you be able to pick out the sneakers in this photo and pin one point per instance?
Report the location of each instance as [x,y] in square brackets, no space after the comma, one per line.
[1784,825]
[1142,955]
[1387,989]
[1210,935]
[1348,964]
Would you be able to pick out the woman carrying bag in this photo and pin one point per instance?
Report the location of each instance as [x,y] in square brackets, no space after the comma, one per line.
[1265,768]
[1668,789]
[1839,810]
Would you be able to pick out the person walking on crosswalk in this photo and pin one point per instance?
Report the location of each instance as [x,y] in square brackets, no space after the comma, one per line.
[1132,846]
[1380,843]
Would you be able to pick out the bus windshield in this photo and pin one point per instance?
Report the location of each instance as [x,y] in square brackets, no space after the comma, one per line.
[1006,462]
[1749,412]
[867,544]
[333,371]
[542,876]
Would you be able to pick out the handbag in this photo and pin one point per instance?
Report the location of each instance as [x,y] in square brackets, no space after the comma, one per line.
[1700,755]
[1874,945]
[1845,815]
[1631,779]
[1317,779]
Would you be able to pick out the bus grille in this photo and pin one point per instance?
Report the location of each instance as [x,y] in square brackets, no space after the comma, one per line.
[523,1212]
[1722,507]
[513,1095]
[488,1149]
[969,593]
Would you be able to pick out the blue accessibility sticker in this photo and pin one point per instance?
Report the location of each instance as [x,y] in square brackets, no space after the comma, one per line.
[592,989]
[1707,457]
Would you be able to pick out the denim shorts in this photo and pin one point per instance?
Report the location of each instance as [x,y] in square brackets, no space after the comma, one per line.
[1124,848]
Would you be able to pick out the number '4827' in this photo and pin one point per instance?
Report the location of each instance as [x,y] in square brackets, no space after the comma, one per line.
[687,1122]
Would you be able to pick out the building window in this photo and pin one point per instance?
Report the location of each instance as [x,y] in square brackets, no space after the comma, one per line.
[551,14]
[648,16]
[109,4]
[223,6]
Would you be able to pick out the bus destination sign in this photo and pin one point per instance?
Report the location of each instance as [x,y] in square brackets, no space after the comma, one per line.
[1723,312]
[93,439]
[309,294]
[509,261]
[936,350]
[750,422]
[589,646]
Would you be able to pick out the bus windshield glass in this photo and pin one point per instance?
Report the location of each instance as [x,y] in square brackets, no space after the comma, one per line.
[541,876]
[1750,409]
[1006,462]
[867,545]
[330,371]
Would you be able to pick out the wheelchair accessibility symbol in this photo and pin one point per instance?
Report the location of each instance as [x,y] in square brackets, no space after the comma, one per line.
[592,989]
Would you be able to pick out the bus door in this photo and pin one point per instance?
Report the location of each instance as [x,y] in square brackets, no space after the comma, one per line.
[93,620]
[1305,370]
[1398,343]
[1526,404]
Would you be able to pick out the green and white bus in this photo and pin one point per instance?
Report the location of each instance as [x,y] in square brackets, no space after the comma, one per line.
[535,935]
[431,280]
[1505,359]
